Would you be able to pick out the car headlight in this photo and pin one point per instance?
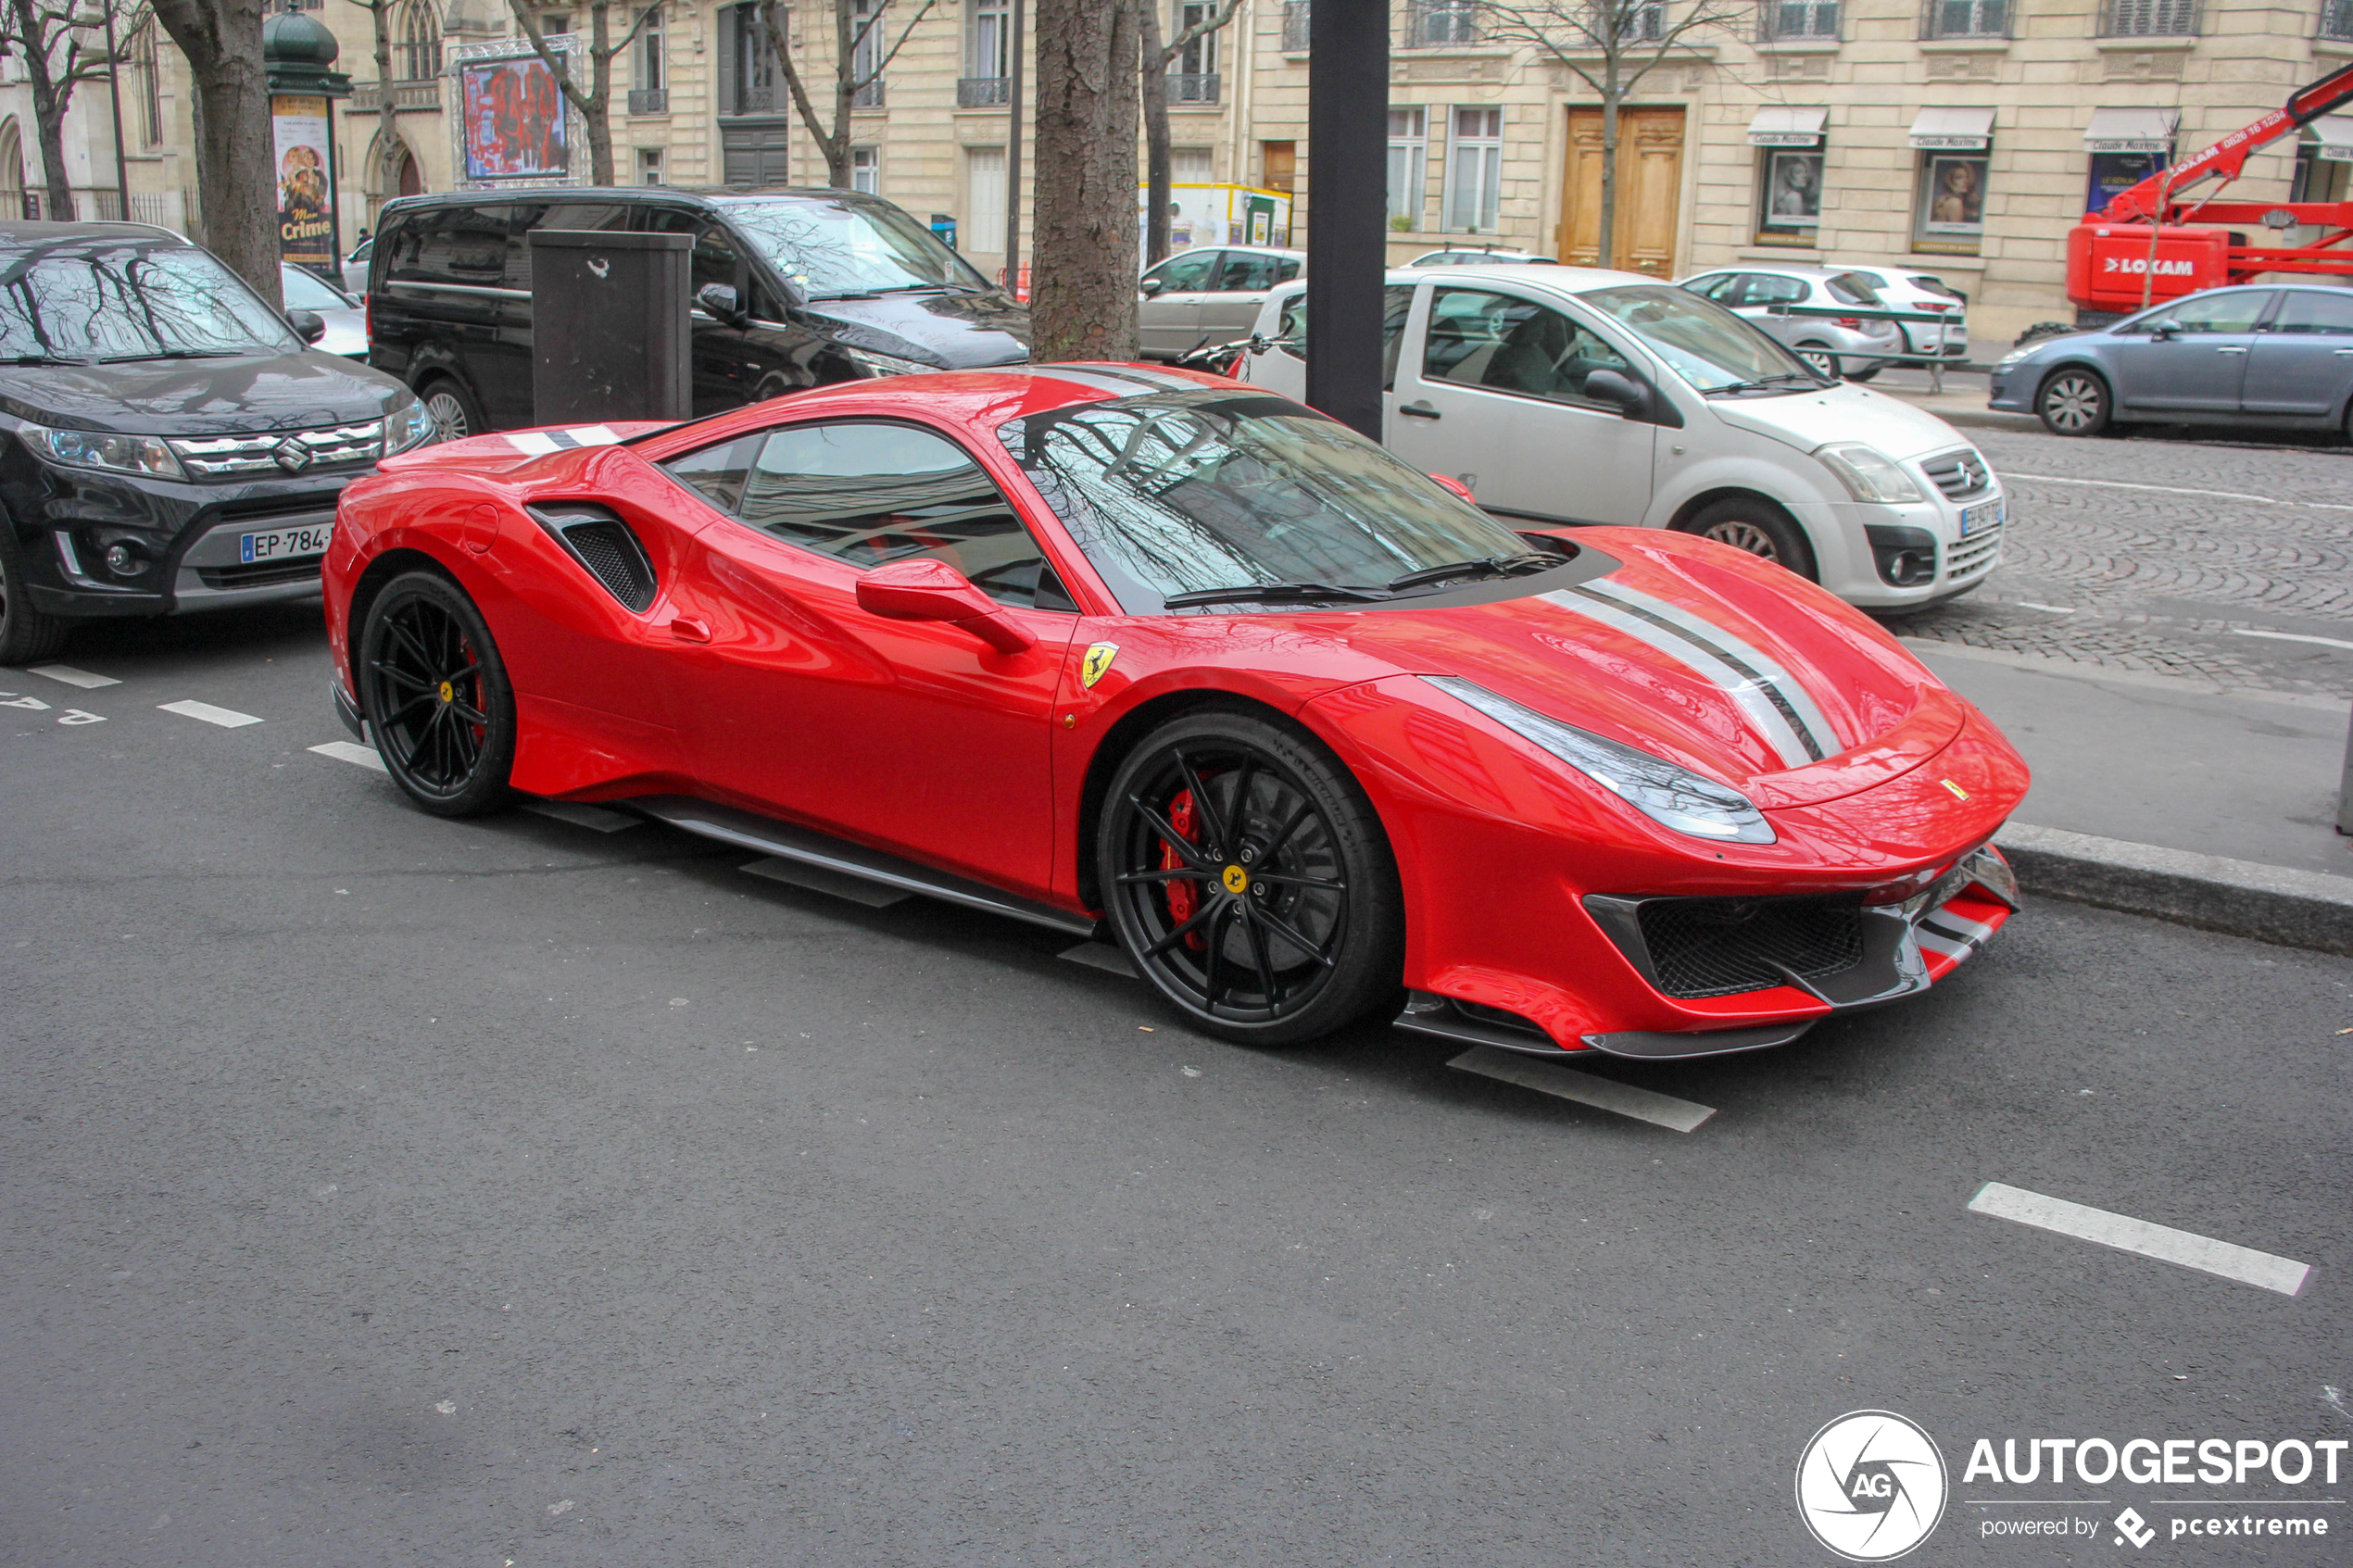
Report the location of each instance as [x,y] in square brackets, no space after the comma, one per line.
[96,449]
[2013,356]
[404,427]
[1867,475]
[1671,796]
[873,364]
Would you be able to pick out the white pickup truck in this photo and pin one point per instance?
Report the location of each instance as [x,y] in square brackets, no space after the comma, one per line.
[1568,394]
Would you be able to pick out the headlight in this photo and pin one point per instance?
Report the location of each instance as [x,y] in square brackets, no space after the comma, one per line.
[875,364]
[94,449]
[2013,356]
[407,427]
[1669,796]
[1867,475]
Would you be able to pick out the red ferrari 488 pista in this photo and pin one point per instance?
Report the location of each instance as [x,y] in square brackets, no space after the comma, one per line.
[1128,649]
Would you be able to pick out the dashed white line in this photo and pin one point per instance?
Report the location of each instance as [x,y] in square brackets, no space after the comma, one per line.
[1603,1094]
[348,751]
[227,718]
[2125,1233]
[2293,637]
[2179,490]
[73,677]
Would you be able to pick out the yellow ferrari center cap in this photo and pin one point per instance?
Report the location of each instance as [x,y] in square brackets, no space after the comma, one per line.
[1237,880]
[448,691]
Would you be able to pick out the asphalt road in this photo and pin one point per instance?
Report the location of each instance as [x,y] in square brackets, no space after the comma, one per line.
[385,1190]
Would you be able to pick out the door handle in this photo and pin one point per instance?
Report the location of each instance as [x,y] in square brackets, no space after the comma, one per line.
[687,631]
[1420,411]
[2343,353]
[2229,351]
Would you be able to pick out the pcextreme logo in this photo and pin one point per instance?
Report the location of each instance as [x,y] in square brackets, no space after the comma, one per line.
[1871,1485]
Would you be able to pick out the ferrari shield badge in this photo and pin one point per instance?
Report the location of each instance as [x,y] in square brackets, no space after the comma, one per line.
[1096,662]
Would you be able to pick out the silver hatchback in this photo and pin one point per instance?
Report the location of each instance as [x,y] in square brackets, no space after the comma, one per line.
[1854,347]
[1208,295]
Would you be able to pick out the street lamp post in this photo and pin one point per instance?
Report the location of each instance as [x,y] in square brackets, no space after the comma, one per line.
[105,18]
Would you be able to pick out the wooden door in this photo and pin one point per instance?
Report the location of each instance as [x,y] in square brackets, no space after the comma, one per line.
[1282,164]
[1649,189]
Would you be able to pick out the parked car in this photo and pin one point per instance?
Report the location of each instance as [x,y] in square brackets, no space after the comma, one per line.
[1904,289]
[1496,256]
[1132,650]
[792,289]
[168,442]
[346,324]
[1567,395]
[1832,345]
[2276,355]
[1208,295]
[355,267]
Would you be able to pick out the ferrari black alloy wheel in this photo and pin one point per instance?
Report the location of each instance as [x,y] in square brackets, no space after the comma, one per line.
[1250,881]
[436,698]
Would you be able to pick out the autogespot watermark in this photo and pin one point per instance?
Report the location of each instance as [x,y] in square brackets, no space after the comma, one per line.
[1871,1486]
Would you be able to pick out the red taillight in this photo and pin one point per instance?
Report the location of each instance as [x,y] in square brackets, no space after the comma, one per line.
[368,318]
[1851,323]
[1935,305]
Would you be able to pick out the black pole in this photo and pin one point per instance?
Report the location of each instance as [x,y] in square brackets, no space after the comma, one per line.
[1347,208]
[1012,157]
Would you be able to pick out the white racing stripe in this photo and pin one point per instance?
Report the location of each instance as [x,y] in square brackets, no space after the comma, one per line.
[227,718]
[1779,681]
[1603,1094]
[1748,694]
[539,443]
[1956,936]
[351,751]
[2127,1235]
[73,677]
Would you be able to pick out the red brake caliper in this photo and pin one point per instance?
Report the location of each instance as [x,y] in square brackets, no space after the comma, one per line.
[1181,895]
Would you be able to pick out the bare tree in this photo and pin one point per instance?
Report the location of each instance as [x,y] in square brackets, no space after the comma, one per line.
[1612,45]
[852,32]
[1083,288]
[1157,60]
[594,100]
[387,132]
[58,54]
[221,41]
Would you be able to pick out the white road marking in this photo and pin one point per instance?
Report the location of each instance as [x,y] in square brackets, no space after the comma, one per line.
[1603,1094]
[2293,637]
[227,718]
[349,751]
[2052,610]
[29,704]
[1102,955]
[580,816]
[818,879]
[2178,490]
[73,677]
[2127,1235]
[76,716]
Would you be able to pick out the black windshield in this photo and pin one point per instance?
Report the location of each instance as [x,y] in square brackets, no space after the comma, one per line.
[1196,491]
[138,299]
[845,246]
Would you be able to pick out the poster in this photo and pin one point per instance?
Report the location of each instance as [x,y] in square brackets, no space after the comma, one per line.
[1793,192]
[514,120]
[1954,196]
[2114,173]
[306,208]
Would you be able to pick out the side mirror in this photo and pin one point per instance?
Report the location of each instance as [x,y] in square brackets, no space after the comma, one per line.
[2165,331]
[1622,393]
[930,589]
[720,300]
[1457,485]
[1151,287]
[308,323]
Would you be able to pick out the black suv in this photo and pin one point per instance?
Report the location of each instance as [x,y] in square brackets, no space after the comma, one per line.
[168,442]
[792,289]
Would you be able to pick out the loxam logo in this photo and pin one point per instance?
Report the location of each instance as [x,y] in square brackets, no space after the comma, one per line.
[2137,265]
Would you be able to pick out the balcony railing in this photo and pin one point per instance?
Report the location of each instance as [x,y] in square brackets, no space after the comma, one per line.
[1294,26]
[649,100]
[1193,89]
[1786,20]
[1433,24]
[368,97]
[980,92]
[1966,18]
[869,96]
[772,98]
[2148,19]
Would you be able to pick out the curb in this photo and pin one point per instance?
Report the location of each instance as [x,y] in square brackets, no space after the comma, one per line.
[2276,904]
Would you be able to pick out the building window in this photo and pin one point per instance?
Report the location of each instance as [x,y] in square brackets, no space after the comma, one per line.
[1787,19]
[1968,18]
[149,66]
[1408,166]
[1949,210]
[868,27]
[749,80]
[2149,18]
[2336,19]
[1789,196]
[649,166]
[1295,27]
[865,169]
[652,64]
[553,24]
[1645,24]
[985,40]
[1191,166]
[1434,23]
[1474,172]
[984,222]
[418,54]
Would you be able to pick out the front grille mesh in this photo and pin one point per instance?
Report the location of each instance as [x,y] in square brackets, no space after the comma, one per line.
[279,452]
[1959,474]
[607,547]
[261,574]
[1718,946]
[1972,555]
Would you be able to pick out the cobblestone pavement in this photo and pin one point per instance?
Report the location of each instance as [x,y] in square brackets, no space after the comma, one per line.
[2168,556]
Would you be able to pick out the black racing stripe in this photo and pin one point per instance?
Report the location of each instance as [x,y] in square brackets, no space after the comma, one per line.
[1947,933]
[561,439]
[1798,727]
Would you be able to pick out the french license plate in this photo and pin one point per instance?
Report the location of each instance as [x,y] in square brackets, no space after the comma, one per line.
[1982,517]
[284,544]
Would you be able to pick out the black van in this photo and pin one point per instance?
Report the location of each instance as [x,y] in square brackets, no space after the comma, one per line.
[792,289]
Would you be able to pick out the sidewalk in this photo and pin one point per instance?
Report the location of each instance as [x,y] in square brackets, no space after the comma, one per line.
[1961,404]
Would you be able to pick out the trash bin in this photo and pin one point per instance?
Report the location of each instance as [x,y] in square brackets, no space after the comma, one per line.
[610,338]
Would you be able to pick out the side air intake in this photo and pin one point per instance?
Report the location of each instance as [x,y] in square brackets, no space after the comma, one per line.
[603,543]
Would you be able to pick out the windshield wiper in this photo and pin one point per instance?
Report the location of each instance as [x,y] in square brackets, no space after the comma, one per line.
[42,359]
[178,354]
[1270,592]
[1808,379]
[1484,566]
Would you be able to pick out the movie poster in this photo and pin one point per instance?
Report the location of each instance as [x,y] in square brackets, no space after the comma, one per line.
[514,122]
[1793,189]
[1954,196]
[306,208]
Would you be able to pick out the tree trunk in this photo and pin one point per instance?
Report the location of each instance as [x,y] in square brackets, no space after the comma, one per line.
[1155,137]
[32,42]
[598,106]
[1083,267]
[1606,254]
[836,146]
[223,42]
[387,136]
